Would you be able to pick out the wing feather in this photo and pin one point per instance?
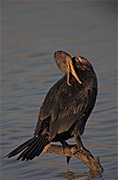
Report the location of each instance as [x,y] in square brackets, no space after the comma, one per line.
[64,105]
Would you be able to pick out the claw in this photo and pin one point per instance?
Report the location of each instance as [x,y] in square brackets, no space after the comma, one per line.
[68,159]
[83,150]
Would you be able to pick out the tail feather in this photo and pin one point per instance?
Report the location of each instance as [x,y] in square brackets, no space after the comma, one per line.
[38,149]
[20,148]
[33,147]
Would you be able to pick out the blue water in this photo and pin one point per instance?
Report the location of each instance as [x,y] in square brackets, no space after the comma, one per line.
[31,33]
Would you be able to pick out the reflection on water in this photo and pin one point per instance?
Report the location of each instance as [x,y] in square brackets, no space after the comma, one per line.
[31,33]
[86,175]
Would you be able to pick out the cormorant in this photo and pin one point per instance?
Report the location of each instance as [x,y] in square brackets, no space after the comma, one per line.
[66,108]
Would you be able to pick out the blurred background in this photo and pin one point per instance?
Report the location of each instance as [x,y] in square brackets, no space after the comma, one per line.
[31,33]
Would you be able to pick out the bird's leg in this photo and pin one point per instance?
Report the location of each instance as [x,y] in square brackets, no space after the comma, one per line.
[65,144]
[81,147]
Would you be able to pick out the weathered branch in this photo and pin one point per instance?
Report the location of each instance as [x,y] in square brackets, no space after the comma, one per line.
[91,162]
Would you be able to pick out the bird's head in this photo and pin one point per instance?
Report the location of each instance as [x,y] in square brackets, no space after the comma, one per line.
[65,64]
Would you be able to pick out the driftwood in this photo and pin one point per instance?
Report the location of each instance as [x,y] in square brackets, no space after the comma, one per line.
[69,151]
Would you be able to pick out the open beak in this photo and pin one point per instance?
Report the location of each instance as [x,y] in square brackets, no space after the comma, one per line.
[70,68]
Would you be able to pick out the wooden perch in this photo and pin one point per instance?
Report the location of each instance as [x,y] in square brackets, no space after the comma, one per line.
[91,162]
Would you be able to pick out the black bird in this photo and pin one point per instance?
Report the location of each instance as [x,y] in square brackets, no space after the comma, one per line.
[66,108]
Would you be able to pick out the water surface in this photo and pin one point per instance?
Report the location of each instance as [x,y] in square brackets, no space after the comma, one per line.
[31,33]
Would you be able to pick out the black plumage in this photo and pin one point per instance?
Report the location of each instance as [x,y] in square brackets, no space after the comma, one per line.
[66,108]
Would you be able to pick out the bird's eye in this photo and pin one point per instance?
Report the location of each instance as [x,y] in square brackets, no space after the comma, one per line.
[76,58]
